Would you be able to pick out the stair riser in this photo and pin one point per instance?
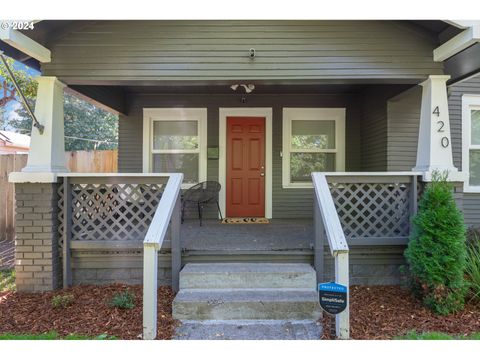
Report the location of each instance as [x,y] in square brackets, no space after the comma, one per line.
[247,280]
[246,310]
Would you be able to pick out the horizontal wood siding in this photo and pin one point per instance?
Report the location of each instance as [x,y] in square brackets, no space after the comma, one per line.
[456,91]
[373,132]
[403,124]
[118,51]
[471,201]
[372,265]
[287,203]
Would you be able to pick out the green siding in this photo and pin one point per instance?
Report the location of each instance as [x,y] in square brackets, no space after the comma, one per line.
[287,203]
[471,201]
[403,121]
[403,124]
[374,129]
[119,51]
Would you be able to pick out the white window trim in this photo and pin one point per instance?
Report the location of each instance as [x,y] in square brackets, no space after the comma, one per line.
[289,114]
[222,165]
[469,102]
[175,114]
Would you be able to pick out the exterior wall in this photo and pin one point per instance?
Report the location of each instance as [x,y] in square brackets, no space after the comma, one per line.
[471,201]
[403,122]
[403,125]
[368,265]
[287,203]
[37,260]
[373,132]
[114,52]
[116,267]
[371,265]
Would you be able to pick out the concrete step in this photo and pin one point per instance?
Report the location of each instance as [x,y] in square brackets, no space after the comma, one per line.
[247,275]
[249,330]
[247,304]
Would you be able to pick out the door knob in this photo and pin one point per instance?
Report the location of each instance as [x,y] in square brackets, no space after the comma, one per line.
[262,174]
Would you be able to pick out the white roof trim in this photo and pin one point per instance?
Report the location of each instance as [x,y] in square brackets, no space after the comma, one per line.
[26,45]
[462,24]
[466,38]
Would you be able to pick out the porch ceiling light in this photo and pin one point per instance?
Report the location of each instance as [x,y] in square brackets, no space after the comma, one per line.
[248,87]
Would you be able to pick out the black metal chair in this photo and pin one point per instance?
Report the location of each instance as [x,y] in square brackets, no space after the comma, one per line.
[201,194]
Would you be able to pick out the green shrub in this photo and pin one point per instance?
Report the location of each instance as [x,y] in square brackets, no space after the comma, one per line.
[472,268]
[7,280]
[62,301]
[123,300]
[436,251]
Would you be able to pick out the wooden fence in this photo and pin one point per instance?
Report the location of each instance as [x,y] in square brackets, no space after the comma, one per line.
[77,161]
[8,163]
[96,161]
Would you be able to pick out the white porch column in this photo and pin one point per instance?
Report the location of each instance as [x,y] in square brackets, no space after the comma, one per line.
[434,150]
[47,150]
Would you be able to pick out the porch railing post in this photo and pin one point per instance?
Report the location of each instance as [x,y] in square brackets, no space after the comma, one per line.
[319,240]
[342,320]
[175,245]
[413,196]
[67,231]
[150,288]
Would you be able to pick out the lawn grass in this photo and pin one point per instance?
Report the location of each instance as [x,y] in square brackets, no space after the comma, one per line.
[52,335]
[7,280]
[413,335]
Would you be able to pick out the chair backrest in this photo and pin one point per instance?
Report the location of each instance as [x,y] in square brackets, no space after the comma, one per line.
[202,192]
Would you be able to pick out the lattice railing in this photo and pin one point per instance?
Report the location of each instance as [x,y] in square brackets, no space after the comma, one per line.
[374,207]
[112,211]
[372,210]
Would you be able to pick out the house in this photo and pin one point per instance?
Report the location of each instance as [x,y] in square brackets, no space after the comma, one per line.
[371,107]
[14,143]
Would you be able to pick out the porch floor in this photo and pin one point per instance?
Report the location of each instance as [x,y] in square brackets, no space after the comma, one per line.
[278,235]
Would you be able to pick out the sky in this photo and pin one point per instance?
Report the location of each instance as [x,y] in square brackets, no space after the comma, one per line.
[14,105]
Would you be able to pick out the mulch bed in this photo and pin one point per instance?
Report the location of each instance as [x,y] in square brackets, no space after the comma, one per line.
[376,312]
[89,314]
[383,312]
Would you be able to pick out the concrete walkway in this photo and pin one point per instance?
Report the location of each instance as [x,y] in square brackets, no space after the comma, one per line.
[249,330]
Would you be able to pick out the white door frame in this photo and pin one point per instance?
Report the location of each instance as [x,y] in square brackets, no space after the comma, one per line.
[222,160]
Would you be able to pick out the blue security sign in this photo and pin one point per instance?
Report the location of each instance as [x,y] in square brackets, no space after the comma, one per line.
[333,297]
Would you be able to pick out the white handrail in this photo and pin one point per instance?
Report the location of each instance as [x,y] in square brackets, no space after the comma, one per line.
[330,223]
[333,228]
[159,225]
[168,209]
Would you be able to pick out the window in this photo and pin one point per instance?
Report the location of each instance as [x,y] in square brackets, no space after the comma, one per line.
[313,140]
[471,141]
[175,141]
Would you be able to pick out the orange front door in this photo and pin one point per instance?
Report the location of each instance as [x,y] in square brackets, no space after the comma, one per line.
[245,186]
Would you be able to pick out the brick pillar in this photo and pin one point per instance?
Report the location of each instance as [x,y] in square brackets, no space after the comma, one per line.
[37,258]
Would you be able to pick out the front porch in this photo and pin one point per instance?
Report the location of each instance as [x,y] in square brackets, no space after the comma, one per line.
[288,235]
[101,222]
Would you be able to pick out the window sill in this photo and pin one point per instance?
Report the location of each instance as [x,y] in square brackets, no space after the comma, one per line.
[298,186]
[471,189]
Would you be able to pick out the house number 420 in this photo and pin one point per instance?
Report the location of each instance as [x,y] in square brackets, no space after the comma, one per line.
[445,141]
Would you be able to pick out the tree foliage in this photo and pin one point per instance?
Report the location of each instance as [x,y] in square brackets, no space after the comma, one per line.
[87,127]
[436,251]
[24,80]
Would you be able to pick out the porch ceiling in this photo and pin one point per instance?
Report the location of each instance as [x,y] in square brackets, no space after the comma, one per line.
[260,88]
